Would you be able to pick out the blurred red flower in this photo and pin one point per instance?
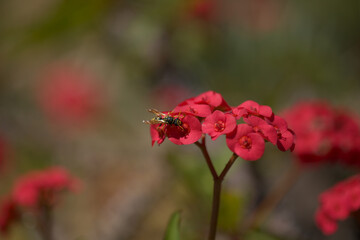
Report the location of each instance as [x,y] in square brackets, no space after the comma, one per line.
[324,133]
[203,10]
[42,187]
[327,225]
[34,192]
[69,95]
[337,203]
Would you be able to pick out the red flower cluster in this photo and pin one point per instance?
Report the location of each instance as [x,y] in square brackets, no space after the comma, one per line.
[69,95]
[209,114]
[202,9]
[337,203]
[39,188]
[324,133]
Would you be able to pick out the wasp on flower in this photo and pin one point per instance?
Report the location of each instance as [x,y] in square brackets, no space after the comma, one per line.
[162,118]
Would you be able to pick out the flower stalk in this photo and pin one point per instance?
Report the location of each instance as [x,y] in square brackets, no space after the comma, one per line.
[217,182]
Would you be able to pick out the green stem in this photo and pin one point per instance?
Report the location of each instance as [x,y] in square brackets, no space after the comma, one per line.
[204,151]
[228,166]
[218,179]
[215,208]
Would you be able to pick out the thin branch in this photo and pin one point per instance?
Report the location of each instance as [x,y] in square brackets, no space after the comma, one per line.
[215,208]
[204,151]
[228,166]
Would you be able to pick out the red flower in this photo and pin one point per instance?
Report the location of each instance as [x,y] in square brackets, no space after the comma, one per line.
[285,136]
[260,126]
[218,123]
[69,96]
[189,132]
[246,143]
[337,203]
[256,109]
[42,187]
[203,10]
[8,215]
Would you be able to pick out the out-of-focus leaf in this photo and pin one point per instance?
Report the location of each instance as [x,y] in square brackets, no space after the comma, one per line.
[231,211]
[67,18]
[259,235]
[172,230]
[194,173]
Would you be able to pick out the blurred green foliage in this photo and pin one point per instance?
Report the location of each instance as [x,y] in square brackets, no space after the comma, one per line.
[172,230]
[260,235]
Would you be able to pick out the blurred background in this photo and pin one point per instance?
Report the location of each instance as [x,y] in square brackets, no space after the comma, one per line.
[76,78]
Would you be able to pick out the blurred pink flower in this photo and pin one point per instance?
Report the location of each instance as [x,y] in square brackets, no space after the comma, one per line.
[203,10]
[34,192]
[69,95]
[324,133]
[337,203]
[43,187]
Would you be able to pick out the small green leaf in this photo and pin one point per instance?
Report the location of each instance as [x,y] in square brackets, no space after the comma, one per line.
[172,230]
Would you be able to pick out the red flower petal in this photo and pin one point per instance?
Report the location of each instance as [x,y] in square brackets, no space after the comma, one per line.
[200,110]
[190,132]
[213,99]
[265,111]
[285,141]
[239,112]
[263,128]
[157,134]
[280,124]
[251,106]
